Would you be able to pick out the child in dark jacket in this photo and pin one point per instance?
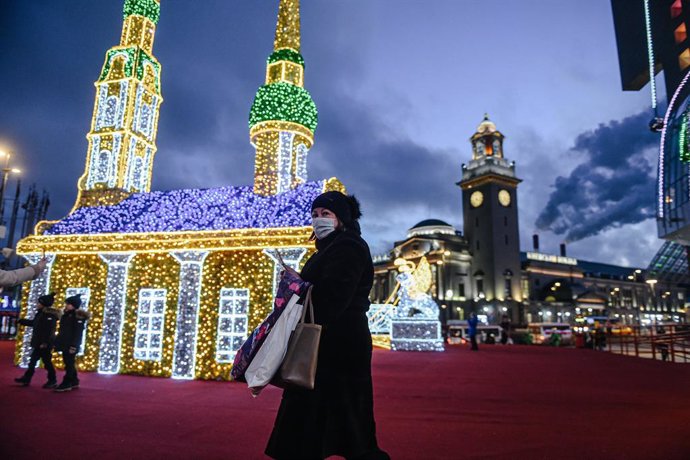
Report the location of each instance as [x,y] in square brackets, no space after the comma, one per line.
[43,324]
[69,340]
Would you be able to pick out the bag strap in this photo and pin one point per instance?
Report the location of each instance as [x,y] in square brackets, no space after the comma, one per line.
[308,305]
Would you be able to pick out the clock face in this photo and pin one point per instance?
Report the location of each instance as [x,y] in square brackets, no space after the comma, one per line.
[476,199]
[504,197]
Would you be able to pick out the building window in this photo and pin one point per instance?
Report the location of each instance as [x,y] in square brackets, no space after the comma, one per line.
[676,9]
[232,323]
[525,288]
[461,290]
[684,59]
[508,290]
[85,293]
[480,286]
[681,33]
[148,341]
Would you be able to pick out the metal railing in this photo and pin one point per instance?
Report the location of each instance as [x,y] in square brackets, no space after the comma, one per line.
[667,343]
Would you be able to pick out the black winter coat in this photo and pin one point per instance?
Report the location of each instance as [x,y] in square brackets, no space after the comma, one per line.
[337,417]
[43,324]
[72,326]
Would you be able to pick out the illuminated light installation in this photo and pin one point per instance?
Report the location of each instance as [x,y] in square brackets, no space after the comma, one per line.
[191,267]
[148,339]
[415,325]
[283,117]
[122,140]
[113,311]
[232,323]
[178,278]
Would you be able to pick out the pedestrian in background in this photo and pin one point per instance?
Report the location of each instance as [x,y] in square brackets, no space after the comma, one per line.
[69,340]
[337,416]
[505,329]
[472,330]
[43,323]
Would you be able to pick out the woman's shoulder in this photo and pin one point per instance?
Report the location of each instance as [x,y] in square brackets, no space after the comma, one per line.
[353,244]
[351,239]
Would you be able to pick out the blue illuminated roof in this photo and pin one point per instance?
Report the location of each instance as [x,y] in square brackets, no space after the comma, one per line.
[223,208]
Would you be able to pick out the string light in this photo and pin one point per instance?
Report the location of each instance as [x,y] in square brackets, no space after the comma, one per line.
[650,53]
[415,325]
[661,180]
[122,140]
[283,117]
[151,9]
[191,267]
[233,312]
[113,311]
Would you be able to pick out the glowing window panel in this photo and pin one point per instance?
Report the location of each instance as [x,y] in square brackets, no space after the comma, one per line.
[232,323]
[285,161]
[301,166]
[85,294]
[684,59]
[148,341]
[681,33]
[676,8]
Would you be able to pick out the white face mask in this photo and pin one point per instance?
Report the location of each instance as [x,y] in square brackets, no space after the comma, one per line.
[323,226]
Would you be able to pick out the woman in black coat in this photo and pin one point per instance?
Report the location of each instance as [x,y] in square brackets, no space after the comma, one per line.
[337,417]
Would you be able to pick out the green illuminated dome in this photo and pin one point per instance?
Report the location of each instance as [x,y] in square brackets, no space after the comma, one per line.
[150,9]
[282,101]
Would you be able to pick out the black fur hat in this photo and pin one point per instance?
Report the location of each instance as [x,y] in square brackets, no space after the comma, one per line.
[75,300]
[345,207]
[47,300]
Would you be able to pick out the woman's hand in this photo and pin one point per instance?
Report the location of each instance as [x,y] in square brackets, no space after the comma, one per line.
[290,270]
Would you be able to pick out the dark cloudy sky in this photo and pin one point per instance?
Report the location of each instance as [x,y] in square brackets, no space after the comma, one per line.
[400,86]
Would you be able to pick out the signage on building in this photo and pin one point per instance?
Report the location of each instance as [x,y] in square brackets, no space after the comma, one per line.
[553,259]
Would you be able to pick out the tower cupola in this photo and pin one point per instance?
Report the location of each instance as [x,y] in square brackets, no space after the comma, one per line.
[122,139]
[487,141]
[283,117]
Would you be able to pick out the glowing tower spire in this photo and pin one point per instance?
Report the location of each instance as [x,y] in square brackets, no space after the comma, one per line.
[283,117]
[122,140]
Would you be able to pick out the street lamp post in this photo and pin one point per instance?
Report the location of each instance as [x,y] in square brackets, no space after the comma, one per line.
[5,174]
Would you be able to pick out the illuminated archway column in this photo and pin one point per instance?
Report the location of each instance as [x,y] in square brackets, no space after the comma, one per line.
[291,257]
[191,271]
[113,311]
[39,287]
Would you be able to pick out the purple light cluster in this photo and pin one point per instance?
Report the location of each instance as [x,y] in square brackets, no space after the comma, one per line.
[220,208]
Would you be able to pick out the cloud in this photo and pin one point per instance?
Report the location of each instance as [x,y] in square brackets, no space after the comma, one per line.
[612,187]
[398,181]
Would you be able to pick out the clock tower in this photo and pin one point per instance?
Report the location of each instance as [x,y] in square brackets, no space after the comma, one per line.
[489,202]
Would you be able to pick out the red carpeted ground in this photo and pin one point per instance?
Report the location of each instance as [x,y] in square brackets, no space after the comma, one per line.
[503,402]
